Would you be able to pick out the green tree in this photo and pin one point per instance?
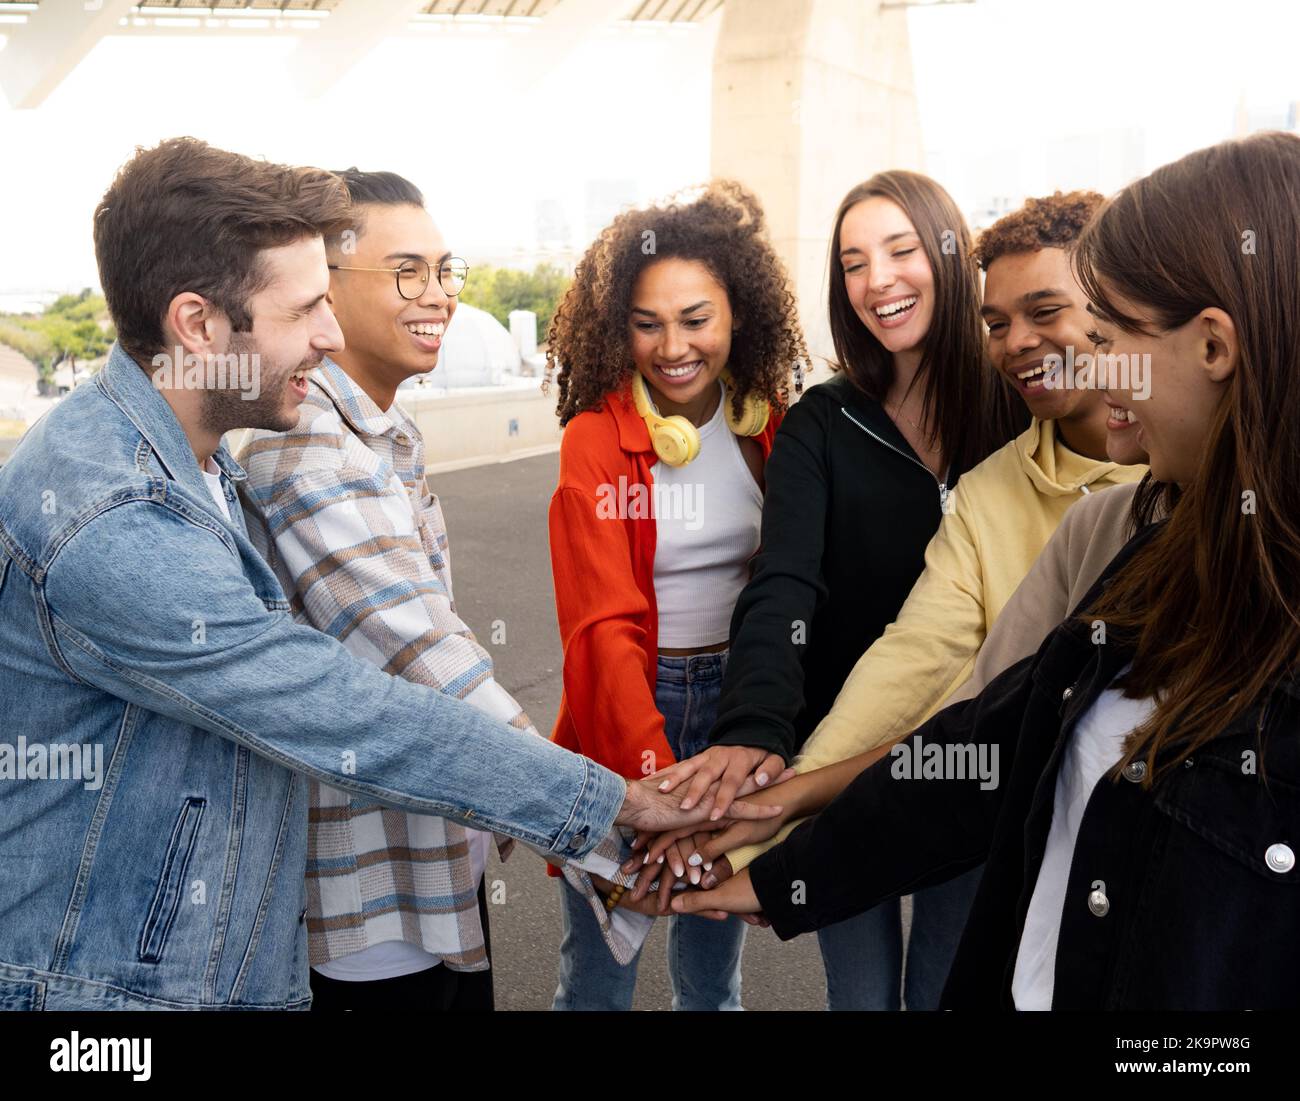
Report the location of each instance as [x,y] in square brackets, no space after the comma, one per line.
[500,290]
[72,325]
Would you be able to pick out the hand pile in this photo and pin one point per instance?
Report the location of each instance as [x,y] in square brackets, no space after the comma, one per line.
[684,867]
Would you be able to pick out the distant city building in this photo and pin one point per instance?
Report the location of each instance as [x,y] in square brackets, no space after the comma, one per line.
[523,329]
[604,199]
[551,224]
[1102,160]
[70,373]
[18,378]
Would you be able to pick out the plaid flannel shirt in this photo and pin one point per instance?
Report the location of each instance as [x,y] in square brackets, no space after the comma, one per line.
[340,508]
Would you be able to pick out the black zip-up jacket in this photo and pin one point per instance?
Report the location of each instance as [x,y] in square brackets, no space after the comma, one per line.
[847,514]
[1182,896]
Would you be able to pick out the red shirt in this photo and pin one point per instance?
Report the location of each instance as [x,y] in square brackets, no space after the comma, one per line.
[605,592]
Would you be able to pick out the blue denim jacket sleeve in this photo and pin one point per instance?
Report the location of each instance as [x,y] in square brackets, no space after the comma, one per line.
[156,609]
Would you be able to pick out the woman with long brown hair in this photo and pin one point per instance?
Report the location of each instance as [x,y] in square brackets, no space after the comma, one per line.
[1141,843]
[857,484]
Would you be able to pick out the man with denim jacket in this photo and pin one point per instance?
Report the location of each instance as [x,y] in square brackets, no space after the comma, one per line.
[137,618]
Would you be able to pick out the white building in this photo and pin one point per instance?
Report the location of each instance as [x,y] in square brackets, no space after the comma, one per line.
[18,377]
[477,350]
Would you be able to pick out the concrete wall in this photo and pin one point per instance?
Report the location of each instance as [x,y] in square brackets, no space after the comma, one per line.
[483,426]
[811,97]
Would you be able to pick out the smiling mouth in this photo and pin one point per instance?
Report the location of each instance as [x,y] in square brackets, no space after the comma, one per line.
[1031,378]
[682,372]
[1119,419]
[895,313]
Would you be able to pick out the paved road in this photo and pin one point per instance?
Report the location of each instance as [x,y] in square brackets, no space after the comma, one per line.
[501,573]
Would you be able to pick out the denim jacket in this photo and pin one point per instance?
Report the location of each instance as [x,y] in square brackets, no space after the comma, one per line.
[140,629]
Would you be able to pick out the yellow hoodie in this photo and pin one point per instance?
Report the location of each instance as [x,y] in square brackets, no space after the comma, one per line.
[1000,516]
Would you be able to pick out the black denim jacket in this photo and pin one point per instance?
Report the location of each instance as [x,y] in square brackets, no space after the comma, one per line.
[1181,896]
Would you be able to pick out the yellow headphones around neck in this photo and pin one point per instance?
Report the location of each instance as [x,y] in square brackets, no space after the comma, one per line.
[676,440]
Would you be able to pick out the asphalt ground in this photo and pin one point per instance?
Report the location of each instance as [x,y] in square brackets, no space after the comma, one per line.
[501,581]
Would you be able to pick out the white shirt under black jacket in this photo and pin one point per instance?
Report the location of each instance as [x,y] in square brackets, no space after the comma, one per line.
[708,518]
[1096,745]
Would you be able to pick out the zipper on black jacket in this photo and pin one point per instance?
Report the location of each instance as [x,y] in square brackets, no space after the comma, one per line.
[942,484]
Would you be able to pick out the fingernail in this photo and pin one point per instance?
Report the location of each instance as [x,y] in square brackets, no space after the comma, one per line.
[686,804]
[715,815]
[695,859]
[646,859]
[762,778]
[664,785]
[661,859]
[709,881]
[678,871]
[708,865]
[695,876]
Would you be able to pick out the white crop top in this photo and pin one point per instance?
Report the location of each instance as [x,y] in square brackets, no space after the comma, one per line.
[708,515]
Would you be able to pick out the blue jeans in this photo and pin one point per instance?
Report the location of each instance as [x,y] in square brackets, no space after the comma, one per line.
[863,954]
[703,955]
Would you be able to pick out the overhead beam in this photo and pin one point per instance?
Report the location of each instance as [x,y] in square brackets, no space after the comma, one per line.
[353,29]
[55,39]
[557,37]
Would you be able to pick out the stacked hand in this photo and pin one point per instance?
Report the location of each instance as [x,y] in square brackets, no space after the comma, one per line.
[651,806]
[694,854]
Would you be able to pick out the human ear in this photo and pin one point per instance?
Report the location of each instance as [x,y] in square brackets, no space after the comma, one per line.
[1217,344]
[193,323]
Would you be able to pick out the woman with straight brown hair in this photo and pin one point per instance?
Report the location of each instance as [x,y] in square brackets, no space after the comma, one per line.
[1141,843]
[857,483]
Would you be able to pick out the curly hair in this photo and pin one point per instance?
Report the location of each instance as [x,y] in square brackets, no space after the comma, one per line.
[1053,222]
[722,227]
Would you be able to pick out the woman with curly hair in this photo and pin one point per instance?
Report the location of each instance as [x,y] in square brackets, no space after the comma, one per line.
[857,485]
[674,346]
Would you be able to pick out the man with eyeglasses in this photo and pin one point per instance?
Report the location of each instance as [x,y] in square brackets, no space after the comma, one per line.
[137,618]
[396,914]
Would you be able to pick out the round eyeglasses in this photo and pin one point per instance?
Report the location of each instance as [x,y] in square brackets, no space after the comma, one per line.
[413,276]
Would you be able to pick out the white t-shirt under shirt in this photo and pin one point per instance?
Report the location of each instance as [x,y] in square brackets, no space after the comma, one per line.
[703,546]
[390,959]
[212,476]
[1096,745]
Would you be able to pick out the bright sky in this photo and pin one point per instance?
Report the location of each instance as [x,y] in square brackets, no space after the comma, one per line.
[1015,97]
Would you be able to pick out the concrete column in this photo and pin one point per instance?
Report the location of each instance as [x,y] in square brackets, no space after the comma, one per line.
[809,98]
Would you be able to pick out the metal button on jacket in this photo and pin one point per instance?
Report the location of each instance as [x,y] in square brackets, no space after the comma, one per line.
[1279,857]
[1098,903]
[1135,771]
[1067,693]
[579,839]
